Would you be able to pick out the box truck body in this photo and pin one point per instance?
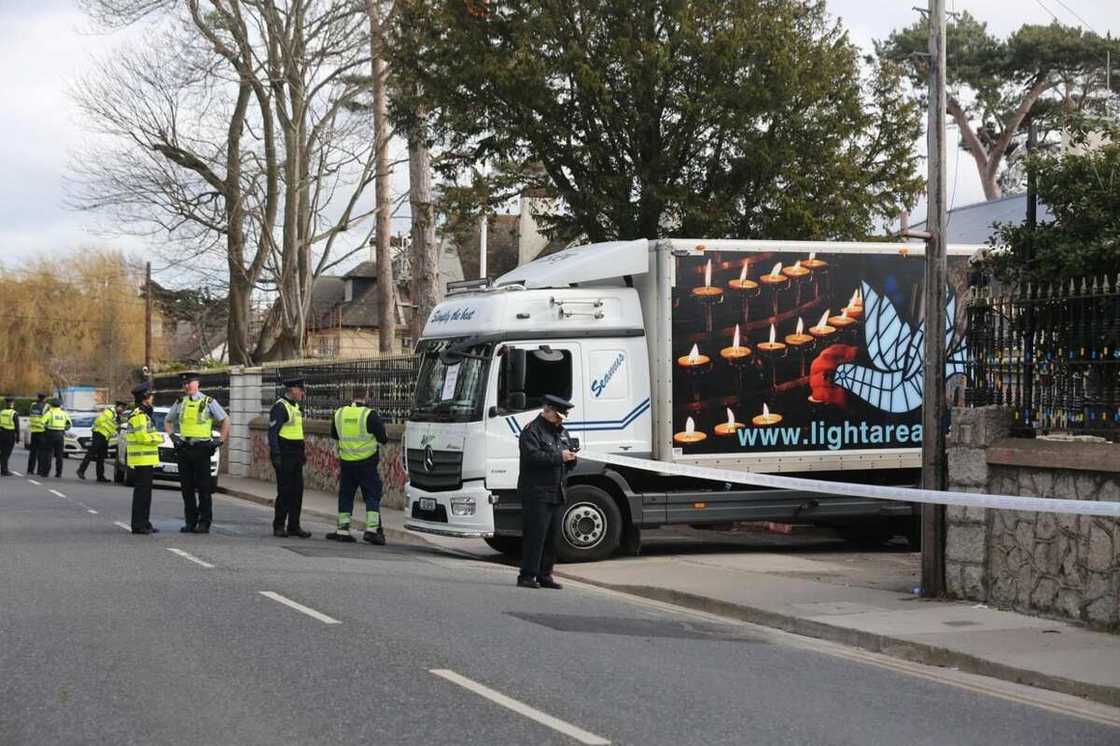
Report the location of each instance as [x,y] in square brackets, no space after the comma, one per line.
[764,356]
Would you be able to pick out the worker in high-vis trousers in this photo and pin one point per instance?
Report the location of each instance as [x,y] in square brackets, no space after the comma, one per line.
[53,441]
[35,428]
[358,430]
[9,434]
[142,442]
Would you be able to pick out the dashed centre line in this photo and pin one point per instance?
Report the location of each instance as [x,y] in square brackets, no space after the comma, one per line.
[37,484]
[123,525]
[521,708]
[299,607]
[92,511]
[189,556]
[56,492]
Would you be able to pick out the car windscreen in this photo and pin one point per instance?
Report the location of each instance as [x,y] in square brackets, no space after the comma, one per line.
[82,420]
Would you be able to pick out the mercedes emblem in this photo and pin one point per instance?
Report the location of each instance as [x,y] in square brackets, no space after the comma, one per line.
[429,459]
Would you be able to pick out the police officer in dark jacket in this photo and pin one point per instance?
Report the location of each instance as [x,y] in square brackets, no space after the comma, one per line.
[286,449]
[546,457]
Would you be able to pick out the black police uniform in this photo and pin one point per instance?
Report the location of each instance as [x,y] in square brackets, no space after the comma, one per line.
[288,458]
[540,484]
[34,443]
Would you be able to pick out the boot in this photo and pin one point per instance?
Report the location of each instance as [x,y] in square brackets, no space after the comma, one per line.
[279,533]
[525,581]
[342,535]
[202,528]
[81,474]
[299,533]
[376,537]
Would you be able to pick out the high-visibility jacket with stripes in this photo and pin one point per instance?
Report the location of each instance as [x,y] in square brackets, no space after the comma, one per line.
[195,420]
[293,428]
[8,419]
[142,440]
[56,420]
[355,442]
[106,423]
[35,417]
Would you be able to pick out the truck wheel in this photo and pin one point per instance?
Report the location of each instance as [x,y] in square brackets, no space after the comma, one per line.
[591,525]
[507,545]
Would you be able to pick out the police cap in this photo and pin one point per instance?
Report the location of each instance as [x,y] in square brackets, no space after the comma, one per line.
[140,393]
[558,403]
[293,383]
[56,402]
[40,396]
[188,377]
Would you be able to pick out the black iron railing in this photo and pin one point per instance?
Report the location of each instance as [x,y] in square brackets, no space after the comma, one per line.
[1050,352]
[168,387]
[386,383]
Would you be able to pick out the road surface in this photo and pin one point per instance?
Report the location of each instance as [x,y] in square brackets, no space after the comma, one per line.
[239,637]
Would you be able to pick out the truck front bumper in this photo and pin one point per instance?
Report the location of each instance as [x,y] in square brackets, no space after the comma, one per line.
[466,512]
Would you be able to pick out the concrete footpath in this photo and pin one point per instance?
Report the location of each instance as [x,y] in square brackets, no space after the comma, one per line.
[827,595]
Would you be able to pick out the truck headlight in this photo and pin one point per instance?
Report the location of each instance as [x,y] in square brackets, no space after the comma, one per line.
[462,506]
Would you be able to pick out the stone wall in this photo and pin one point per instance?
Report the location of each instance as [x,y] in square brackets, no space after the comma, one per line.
[244,406]
[1053,564]
[322,468]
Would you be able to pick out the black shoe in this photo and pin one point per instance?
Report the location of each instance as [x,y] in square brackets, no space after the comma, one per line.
[345,538]
[299,533]
[548,582]
[202,528]
[81,475]
[152,529]
[58,476]
[187,529]
[279,533]
[375,537]
[142,531]
[102,480]
[523,582]
[5,474]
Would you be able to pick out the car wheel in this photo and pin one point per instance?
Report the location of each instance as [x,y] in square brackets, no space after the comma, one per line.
[590,526]
[507,545]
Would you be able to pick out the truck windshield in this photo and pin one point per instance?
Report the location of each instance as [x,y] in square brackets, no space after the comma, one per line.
[451,387]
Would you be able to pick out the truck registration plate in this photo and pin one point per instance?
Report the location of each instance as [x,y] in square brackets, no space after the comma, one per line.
[427,504]
[171,468]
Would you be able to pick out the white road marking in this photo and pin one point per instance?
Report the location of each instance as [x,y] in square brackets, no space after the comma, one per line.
[37,484]
[56,492]
[94,512]
[191,557]
[123,525]
[299,607]
[17,473]
[520,708]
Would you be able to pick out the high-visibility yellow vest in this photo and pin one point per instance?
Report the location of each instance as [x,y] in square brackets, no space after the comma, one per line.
[354,443]
[293,428]
[142,440]
[106,423]
[35,418]
[7,419]
[56,420]
[194,417]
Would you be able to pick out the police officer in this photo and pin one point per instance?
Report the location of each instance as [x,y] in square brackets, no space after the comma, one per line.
[285,444]
[190,422]
[105,427]
[142,442]
[35,428]
[9,434]
[358,430]
[52,443]
[546,457]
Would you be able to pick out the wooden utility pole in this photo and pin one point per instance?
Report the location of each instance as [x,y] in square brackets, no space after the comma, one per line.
[933,374]
[148,319]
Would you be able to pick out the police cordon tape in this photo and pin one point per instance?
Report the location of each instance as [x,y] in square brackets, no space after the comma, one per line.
[878,492]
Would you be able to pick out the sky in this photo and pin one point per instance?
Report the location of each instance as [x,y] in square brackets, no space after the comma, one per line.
[44,45]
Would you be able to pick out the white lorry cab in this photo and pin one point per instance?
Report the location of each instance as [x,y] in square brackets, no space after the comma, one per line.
[764,356]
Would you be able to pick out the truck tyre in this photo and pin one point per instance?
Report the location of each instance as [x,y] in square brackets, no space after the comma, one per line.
[507,545]
[590,526]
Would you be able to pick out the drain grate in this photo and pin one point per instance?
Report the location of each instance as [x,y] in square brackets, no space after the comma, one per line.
[637,627]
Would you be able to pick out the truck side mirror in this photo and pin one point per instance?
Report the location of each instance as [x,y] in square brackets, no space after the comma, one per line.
[517,401]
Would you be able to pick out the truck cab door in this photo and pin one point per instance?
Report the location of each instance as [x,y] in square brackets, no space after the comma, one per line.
[550,368]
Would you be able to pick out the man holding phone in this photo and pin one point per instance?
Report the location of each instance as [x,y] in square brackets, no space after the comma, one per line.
[547,454]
